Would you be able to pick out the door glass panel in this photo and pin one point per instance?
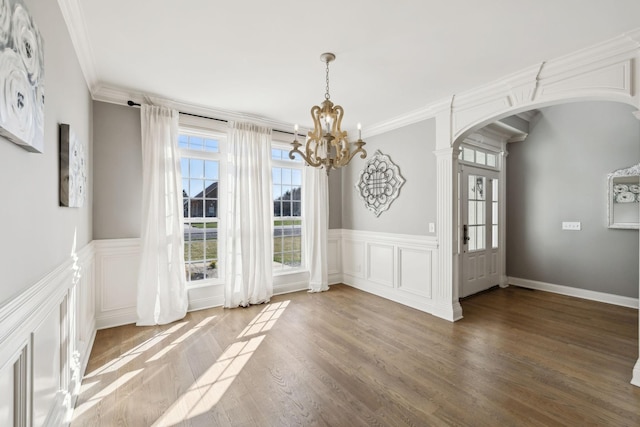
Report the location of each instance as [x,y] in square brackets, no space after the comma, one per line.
[472,238]
[481,237]
[491,160]
[494,210]
[476,217]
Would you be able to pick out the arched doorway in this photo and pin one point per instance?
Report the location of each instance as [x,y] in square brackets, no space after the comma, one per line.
[594,74]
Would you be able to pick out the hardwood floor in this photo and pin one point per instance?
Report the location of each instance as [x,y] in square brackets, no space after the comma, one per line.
[348,358]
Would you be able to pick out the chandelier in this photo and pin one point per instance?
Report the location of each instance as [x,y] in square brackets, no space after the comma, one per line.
[327,145]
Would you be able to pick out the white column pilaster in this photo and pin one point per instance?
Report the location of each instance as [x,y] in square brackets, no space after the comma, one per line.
[445,290]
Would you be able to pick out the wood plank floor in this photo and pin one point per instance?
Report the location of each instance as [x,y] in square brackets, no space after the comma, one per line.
[348,358]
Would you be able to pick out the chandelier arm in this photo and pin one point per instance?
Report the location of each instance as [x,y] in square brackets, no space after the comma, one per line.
[309,161]
[360,144]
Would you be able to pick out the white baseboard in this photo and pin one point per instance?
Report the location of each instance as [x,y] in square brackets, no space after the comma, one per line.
[575,292]
[290,287]
[636,374]
[112,320]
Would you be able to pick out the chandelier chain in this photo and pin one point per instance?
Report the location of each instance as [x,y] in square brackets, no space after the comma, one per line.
[326,95]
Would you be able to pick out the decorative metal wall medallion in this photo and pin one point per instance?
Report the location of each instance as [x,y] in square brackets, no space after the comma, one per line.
[379,183]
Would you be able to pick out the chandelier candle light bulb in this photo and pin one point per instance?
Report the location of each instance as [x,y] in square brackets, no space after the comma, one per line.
[327,148]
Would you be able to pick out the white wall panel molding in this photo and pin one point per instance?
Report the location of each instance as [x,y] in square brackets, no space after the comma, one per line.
[334,255]
[575,292]
[381,264]
[401,268]
[42,352]
[116,281]
[415,272]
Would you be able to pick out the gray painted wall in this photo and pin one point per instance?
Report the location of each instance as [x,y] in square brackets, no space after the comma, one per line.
[560,174]
[335,199]
[37,234]
[118,174]
[411,148]
[117,171]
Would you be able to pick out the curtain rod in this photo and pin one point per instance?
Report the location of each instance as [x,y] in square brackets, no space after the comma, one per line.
[135,104]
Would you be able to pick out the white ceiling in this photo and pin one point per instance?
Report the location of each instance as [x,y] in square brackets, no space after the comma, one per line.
[393,57]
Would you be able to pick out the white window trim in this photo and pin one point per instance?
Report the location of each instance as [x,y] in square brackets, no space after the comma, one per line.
[197,126]
[279,141]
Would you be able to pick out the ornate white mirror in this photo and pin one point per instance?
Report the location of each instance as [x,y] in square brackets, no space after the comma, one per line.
[624,198]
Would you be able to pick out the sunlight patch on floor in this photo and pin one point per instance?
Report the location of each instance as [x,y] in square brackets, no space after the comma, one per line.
[111,388]
[117,363]
[211,386]
[264,321]
[180,339]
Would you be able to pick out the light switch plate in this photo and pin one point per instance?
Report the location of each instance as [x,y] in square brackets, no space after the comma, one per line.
[572,226]
[432,227]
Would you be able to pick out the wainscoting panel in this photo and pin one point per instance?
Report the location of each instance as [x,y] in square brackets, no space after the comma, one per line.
[398,267]
[415,271]
[353,257]
[334,255]
[117,263]
[42,352]
[380,264]
[116,277]
[46,349]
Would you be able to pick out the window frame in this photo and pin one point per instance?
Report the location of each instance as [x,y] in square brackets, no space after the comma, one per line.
[206,128]
[280,142]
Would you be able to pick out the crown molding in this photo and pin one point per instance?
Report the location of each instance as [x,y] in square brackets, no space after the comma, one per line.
[415,116]
[116,95]
[72,14]
[519,89]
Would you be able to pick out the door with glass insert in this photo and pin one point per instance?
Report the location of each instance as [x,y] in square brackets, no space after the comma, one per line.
[479,207]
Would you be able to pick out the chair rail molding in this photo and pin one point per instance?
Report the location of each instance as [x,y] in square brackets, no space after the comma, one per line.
[46,335]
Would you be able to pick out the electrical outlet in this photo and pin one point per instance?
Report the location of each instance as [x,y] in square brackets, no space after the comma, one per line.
[572,226]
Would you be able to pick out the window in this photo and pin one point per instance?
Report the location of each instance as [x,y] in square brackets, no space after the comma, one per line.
[479,157]
[200,168]
[287,210]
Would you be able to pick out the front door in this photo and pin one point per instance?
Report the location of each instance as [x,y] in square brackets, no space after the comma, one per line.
[479,221]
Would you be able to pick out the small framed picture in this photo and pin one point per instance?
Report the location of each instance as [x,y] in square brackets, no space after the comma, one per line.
[73,169]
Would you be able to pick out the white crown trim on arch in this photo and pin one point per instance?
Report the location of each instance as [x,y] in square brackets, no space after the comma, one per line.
[609,71]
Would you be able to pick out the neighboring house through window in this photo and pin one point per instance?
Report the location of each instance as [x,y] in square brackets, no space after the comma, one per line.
[200,167]
[287,209]
[202,161]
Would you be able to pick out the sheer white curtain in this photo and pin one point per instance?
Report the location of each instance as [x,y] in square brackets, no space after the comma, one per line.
[315,205]
[249,245]
[162,295]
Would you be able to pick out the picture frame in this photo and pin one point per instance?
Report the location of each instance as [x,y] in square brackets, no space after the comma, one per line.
[623,198]
[73,169]
[21,77]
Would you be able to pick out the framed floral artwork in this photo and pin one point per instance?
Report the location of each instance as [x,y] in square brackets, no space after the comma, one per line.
[73,169]
[21,77]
